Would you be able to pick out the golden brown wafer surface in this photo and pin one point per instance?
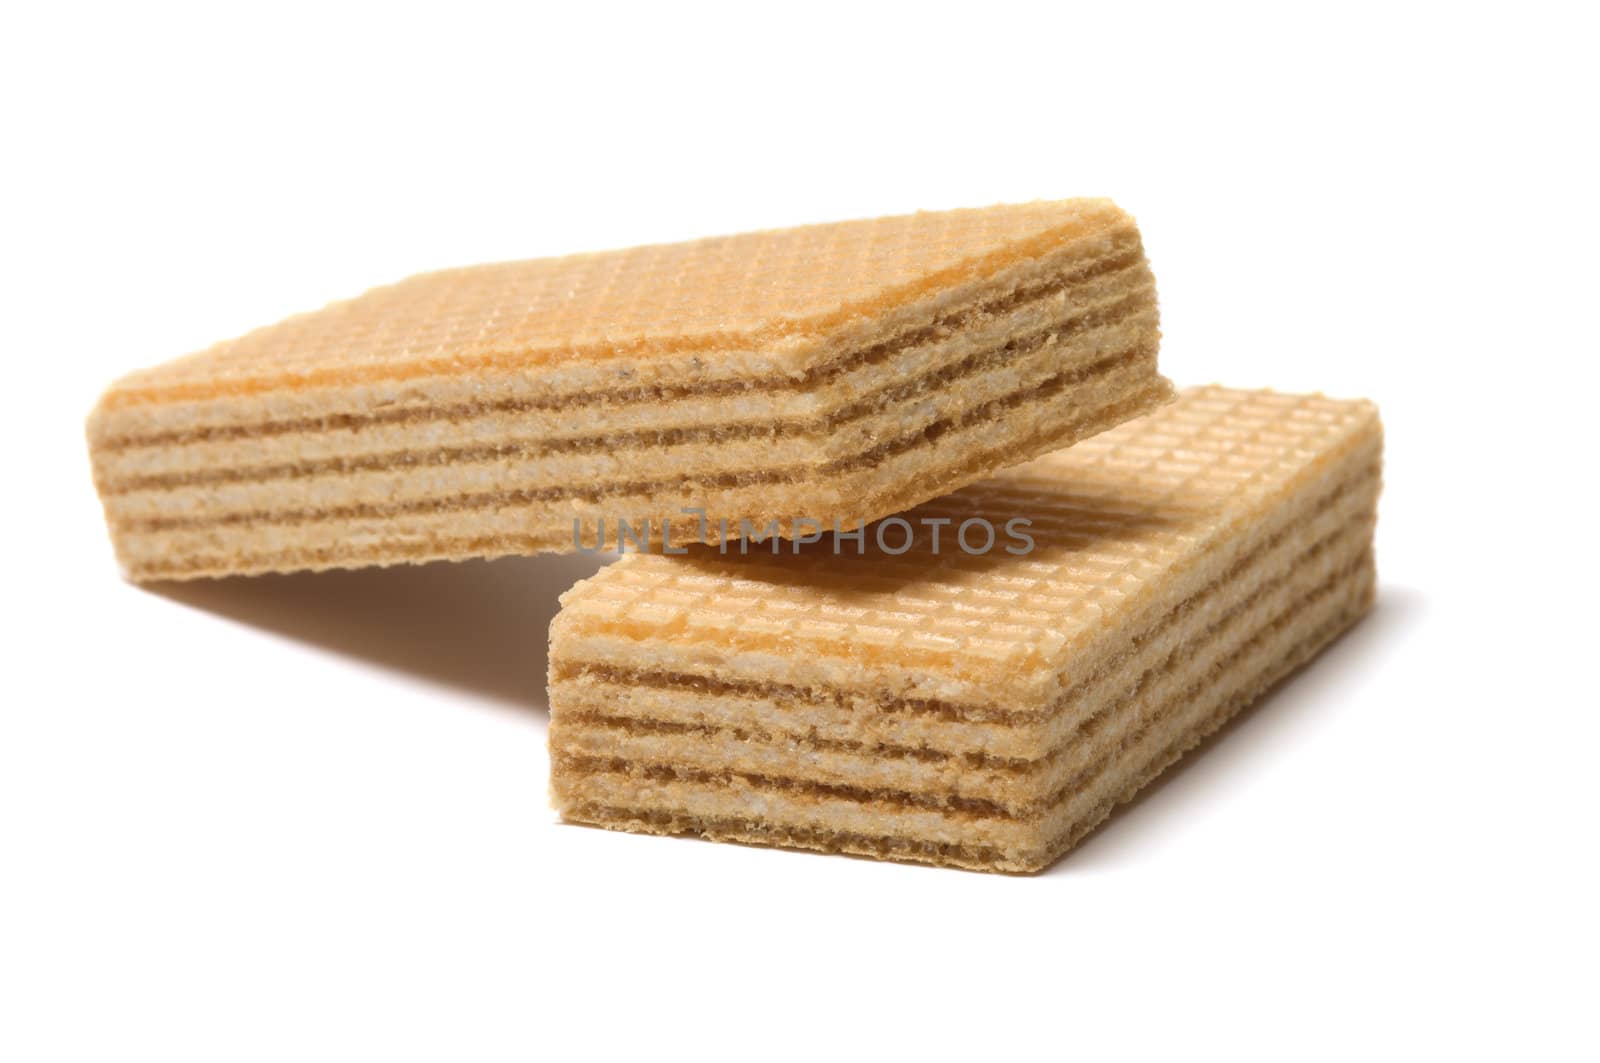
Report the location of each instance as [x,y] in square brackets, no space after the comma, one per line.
[835,373]
[980,709]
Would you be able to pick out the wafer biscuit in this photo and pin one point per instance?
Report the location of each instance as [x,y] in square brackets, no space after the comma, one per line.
[834,373]
[984,710]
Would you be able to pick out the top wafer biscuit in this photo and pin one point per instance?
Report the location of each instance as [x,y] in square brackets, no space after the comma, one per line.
[834,373]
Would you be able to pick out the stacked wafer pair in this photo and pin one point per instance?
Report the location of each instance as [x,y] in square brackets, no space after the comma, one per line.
[922,557]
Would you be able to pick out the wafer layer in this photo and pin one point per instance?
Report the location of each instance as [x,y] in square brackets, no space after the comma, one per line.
[984,711]
[835,373]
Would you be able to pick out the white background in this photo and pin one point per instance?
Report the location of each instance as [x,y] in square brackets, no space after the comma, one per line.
[305,817]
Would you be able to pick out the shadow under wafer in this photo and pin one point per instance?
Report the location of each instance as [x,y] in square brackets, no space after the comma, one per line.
[476,625]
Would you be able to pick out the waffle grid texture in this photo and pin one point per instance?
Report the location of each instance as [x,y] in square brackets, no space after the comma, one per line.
[981,711]
[718,294]
[839,372]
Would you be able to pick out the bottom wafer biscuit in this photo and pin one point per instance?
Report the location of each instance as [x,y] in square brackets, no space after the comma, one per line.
[983,711]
